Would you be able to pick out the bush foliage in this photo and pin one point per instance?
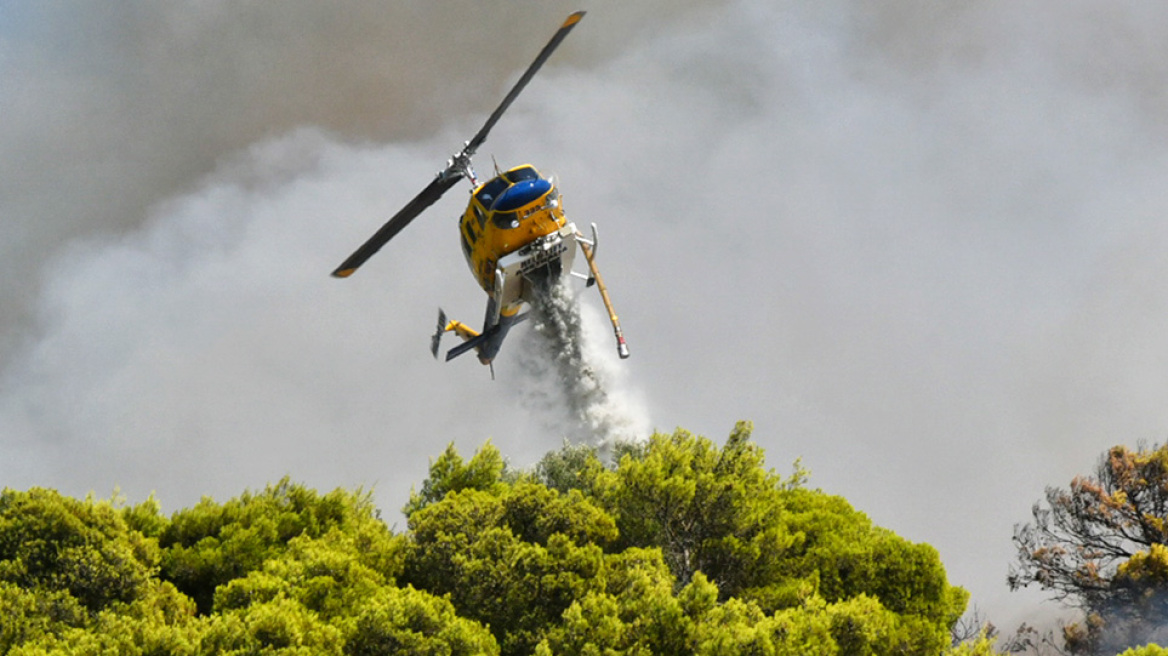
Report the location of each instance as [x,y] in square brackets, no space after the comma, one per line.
[678,546]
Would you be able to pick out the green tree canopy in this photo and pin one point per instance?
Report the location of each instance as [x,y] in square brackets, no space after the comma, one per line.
[759,537]
[722,548]
[677,546]
[82,549]
[211,544]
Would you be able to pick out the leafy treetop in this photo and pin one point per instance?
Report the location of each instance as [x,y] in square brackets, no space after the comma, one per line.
[678,546]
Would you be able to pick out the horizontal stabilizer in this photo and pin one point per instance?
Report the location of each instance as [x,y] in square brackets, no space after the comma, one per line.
[469,344]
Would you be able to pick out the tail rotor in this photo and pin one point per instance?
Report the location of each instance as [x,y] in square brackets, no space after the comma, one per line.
[436,340]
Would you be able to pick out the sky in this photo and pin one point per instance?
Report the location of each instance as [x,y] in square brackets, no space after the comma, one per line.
[918,244]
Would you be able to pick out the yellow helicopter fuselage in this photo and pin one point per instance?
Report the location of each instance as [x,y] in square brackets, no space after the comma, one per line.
[504,215]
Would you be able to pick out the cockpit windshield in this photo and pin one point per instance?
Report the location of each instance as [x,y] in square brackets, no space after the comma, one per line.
[524,176]
[491,191]
[521,174]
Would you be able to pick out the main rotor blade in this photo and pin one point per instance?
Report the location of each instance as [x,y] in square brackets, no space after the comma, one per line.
[473,145]
[433,191]
[458,166]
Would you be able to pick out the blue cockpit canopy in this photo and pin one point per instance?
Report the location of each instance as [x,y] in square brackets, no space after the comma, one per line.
[490,192]
[520,194]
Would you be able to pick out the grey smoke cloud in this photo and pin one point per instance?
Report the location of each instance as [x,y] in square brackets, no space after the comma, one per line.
[111,108]
[918,244]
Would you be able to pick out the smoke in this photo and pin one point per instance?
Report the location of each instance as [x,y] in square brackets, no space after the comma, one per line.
[1124,629]
[569,382]
[919,244]
[111,109]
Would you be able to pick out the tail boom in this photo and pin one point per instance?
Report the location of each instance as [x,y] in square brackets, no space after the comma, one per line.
[486,343]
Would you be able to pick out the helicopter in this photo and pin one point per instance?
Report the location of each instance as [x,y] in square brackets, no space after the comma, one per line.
[515,236]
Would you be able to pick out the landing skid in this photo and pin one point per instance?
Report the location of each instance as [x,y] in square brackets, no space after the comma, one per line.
[589,249]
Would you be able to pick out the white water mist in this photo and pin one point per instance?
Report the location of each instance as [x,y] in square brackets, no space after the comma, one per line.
[578,392]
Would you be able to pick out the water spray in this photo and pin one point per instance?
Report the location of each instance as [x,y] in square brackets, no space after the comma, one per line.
[565,379]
